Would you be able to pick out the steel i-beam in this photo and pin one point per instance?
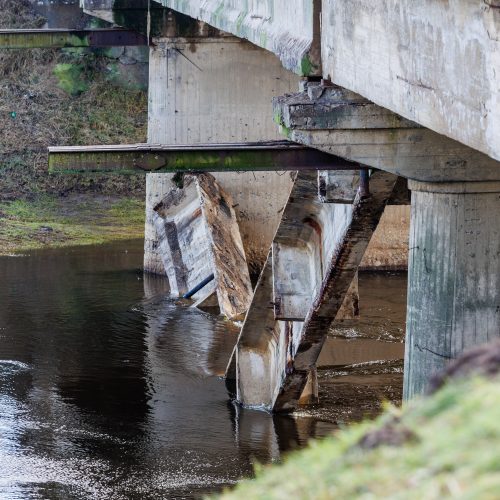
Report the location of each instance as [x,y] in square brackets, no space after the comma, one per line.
[131,158]
[61,38]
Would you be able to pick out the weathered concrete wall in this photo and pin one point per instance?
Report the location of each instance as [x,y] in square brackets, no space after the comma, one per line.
[288,28]
[433,62]
[220,90]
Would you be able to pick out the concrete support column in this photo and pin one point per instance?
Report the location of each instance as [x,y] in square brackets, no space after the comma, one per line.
[453,277]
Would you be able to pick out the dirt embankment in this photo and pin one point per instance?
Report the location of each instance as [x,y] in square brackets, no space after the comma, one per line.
[62,97]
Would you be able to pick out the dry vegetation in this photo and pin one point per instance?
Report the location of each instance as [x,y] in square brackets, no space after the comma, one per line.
[35,113]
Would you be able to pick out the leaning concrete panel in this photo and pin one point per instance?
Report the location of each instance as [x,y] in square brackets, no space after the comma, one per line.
[182,235]
[288,28]
[198,237]
[233,287]
[433,62]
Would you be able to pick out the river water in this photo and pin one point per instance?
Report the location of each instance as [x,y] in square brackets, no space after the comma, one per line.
[109,390]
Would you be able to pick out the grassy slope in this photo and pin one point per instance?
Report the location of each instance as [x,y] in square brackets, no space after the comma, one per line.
[36,112]
[455,453]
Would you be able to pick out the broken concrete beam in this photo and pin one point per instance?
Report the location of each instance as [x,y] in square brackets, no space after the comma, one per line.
[301,247]
[291,278]
[336,121]
[198,235]
[61,38]
[234,290]
[344,257]
[263,349]
[182,239]
[157,186]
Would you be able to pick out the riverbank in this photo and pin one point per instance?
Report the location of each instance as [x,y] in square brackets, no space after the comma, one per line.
[65,97]
[51,221]
[444,446]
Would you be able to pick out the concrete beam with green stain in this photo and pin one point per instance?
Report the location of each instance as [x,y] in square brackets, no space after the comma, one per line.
[133,158]
[61,38]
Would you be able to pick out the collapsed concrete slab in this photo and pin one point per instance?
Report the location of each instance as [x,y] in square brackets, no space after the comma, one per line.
[199,237]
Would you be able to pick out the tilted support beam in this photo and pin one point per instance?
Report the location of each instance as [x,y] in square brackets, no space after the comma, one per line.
[349,245]
[133,158]
[61,38]
[315,256]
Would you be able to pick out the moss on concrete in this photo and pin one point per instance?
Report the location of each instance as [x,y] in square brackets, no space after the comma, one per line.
[307,68]
[449,448]
[71,78]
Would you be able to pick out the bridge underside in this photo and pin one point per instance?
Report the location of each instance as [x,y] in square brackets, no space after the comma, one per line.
[419,100]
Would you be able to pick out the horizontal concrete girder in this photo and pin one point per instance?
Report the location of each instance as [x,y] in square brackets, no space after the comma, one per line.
[131,158]
[340,122]
[61,38]
[288,28]
[433,62]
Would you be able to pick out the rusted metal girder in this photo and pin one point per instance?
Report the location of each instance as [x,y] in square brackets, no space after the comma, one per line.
[131,158]
[60,38]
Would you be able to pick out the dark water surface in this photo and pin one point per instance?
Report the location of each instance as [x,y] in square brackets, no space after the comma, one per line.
[110,391]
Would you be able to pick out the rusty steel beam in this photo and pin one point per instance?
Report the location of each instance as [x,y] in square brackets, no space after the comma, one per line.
[131,158]
[61,38]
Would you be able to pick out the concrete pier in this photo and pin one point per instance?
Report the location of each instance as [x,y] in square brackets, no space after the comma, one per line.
[453,276]
[218,89]
[453,291]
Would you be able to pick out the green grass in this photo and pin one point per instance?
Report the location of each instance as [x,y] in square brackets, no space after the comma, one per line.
[129,211]
[49,221]
[455,453]
[39,210]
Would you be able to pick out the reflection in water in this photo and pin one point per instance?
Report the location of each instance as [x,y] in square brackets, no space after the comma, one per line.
[108,390]
[361,362]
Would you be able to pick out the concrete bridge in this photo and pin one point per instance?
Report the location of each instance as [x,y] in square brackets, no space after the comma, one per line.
[371,96]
